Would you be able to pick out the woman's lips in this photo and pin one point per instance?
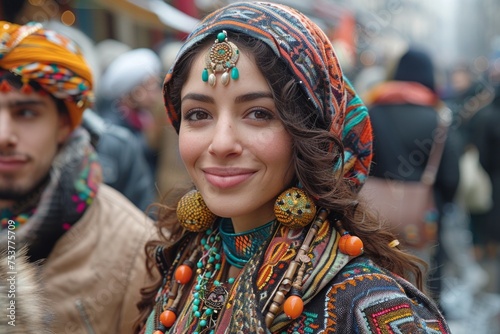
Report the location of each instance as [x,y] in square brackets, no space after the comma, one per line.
[227,178]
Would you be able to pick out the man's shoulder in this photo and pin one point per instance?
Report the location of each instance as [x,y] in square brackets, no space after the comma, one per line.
[116,218]
[111,203]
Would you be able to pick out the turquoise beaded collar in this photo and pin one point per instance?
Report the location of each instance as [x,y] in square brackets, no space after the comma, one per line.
[240,247]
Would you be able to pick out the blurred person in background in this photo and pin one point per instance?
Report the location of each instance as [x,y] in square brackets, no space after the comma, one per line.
[171,170]
[86,239]
[108,50]
[120,154]
[486,136]
[470,96]
[404,115]
[129,95]
[467,94]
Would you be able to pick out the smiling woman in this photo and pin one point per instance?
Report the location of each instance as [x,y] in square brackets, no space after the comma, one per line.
[273,237]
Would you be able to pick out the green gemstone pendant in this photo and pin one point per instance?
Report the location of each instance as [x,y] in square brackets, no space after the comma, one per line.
[221,37]
[204,75]
[235,74]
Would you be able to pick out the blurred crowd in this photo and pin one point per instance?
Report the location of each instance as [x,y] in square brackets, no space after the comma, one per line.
[402,94]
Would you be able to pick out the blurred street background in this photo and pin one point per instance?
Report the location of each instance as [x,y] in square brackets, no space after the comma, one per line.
[368,35]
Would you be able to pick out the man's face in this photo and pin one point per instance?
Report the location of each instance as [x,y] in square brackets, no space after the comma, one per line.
[31,130]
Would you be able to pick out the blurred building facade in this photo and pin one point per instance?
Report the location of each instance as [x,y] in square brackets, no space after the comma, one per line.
[454,30]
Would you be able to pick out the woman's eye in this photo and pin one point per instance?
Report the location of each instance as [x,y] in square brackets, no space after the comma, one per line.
[261,114]
[196,115]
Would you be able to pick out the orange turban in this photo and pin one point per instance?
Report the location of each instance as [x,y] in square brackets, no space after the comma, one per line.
[49,59]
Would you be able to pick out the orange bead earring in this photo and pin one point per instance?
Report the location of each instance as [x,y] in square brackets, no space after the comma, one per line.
[349,244]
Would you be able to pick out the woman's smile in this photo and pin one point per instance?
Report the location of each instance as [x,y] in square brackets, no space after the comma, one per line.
[227,177]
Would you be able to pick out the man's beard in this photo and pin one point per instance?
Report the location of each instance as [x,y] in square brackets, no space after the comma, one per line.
[17,194]
[12,194]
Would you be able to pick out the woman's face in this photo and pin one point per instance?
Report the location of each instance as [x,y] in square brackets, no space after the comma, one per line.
[233,144]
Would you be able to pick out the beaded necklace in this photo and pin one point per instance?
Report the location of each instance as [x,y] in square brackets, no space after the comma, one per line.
[211,291]
[209,294]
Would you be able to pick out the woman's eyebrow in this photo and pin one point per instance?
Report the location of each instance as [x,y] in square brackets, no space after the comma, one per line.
[253,96]
[198,97]
[239,99]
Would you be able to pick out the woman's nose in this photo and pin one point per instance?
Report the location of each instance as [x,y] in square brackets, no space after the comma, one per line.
[226,140]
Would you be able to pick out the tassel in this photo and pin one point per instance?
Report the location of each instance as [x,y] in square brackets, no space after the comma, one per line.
[5,87]
[26,88]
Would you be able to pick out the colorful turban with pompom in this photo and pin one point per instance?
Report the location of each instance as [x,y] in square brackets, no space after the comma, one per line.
[49,59]
[309,54]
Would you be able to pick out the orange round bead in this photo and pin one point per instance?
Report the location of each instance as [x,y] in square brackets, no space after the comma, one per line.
[294,305]
[183,274]
[351,245]
[158,332]
[167,318]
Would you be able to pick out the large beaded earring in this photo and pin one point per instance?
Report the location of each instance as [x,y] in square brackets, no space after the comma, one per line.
[294,208]
[193,214]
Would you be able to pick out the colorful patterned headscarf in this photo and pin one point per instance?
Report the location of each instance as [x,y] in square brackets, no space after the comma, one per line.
[309,54]
[49,59]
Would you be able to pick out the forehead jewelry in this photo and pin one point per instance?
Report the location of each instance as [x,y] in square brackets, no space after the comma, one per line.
[221,57]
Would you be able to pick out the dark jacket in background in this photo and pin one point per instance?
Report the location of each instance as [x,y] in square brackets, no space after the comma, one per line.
[124,167]
[403,137]
[404,115]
